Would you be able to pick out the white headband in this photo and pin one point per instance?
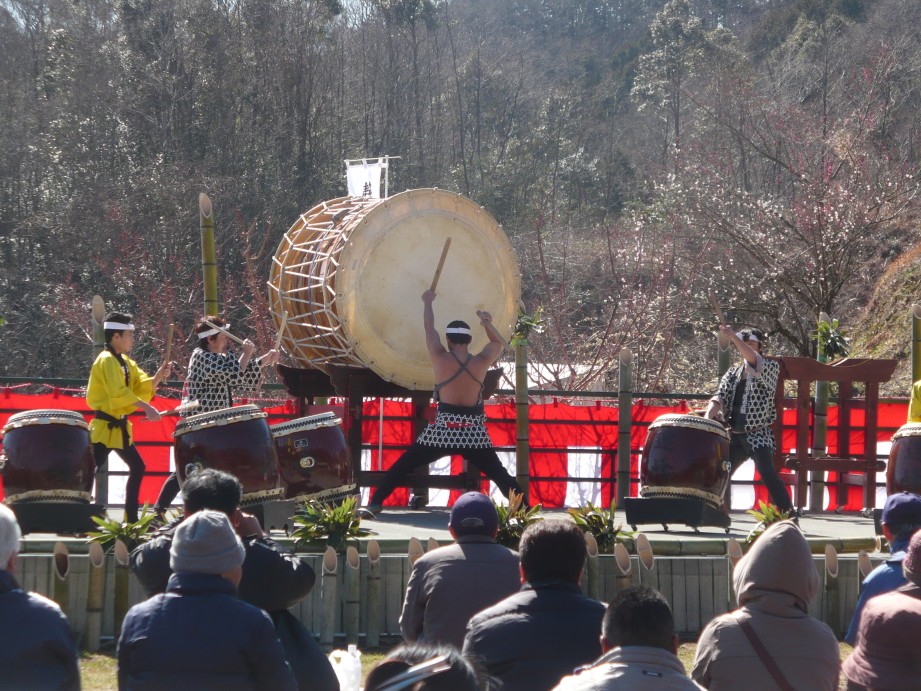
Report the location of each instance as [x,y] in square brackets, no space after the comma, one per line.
[117,326]
[751,337]
[212,332]
[459,330]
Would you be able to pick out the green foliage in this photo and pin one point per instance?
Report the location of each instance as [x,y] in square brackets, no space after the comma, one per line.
[601,524]
[132,534]
[514,518]
[336,523]
[831,339]
[766,515]
[527,324]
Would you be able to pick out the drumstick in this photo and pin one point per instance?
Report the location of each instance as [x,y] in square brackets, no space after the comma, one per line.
[229,335]
[441,263]
[169,341]
[716,308]
[180,409]
[281,329]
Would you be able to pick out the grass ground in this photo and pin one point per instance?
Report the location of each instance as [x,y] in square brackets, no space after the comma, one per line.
[97,670]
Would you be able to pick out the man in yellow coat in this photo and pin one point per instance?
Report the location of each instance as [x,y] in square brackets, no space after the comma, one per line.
[117,387]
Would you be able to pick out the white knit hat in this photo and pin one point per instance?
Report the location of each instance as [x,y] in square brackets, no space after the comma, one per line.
[206,543]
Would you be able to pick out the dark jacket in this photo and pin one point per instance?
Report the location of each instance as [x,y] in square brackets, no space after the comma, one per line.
[451,584]
[532,639]
[200,635]
[37,650]
[273,580]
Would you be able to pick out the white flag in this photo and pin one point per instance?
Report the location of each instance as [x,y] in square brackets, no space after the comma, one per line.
[364,179]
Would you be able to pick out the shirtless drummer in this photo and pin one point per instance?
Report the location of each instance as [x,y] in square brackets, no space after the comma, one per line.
[460,423]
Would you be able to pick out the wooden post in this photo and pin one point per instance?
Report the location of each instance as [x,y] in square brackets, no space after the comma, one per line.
[352,580]
[95,597]
[592,570]
[329,598]
[99,342]
[208,253]
[522,431]
[623,567]
[122,582]
[915,343]
[61,568]
[375,616]
[819,429]
[832,591]
[624,421]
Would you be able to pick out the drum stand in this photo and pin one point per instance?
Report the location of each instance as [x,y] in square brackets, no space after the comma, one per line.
[61,517]
[688,510]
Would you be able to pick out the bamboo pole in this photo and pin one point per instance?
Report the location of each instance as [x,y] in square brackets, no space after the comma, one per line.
[522,430]
[415,550]
[624,421]
[431,544]
[375,599]
[864,565]
[832,591]
[623,568]
[915,343]
[61,568]
[329,597]
[95,597]
[646,559]
[734,551]
[208,253]
[122,582]
[819,429]
[352,580]
[98,316]
[592,567]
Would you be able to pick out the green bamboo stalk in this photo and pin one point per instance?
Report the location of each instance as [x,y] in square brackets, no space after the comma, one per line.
[375,600]
[624,420]
[832,591]
[623,568]
[352,583]
[95,597]
[122,582]
[208,253]
[329,597]
[61,569]
[522,433]
[592,568]
[98,316]
[820,428]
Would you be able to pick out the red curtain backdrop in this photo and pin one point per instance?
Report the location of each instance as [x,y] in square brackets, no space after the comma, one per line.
[555,428]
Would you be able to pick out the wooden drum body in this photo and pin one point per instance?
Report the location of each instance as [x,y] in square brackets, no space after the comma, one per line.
[236,440]
[903,472]
[313,458]
[47,456]
[349,275]
[686,456]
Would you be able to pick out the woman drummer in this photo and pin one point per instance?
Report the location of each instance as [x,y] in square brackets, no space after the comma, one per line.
[745,401]
[214,373]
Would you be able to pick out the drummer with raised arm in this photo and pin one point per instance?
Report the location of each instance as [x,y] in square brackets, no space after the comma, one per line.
[214,372]
[460,423]
[745,401]
[117,387]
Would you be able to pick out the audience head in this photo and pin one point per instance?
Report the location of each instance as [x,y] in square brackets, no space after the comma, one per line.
[212,489]
[911,565]
[474,514]
[901,515]
[458,332]
[206,543]
[552,550]
[639,615]
[461,675]
[10,537]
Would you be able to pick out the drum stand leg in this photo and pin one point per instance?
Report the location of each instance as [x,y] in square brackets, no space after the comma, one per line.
[56,517]
[664,510]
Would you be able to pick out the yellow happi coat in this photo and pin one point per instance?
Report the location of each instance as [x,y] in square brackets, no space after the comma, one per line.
[108,392]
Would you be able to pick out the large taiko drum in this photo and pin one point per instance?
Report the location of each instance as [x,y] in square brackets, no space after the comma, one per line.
[236,440]
[903,472]
[350,272]
[47,456]
[313,458]
[686,456]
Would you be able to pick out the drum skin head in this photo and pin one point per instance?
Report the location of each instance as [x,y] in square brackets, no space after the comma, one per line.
[389,259]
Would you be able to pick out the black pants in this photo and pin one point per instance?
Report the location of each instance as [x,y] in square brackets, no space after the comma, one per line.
[136,468]
[418,455]
[740,451]
[167,493]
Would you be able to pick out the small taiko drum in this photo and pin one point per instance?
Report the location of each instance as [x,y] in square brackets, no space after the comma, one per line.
[236,440]
[903,472]
[47,456]
[313,458]
[686,456]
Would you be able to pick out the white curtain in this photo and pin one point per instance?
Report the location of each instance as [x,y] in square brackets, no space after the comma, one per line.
[364,179]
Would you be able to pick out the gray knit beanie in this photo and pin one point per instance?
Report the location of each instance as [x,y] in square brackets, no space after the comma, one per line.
[205,543]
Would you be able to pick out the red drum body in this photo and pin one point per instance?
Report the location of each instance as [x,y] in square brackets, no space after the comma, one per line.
[236,440]
[686,456]
[903,472]
[47,456]
[313,458]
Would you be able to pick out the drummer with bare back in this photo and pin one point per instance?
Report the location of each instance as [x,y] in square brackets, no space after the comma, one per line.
[460,423]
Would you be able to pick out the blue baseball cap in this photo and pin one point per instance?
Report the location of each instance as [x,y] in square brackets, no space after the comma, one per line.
[474,514]
[903,508]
